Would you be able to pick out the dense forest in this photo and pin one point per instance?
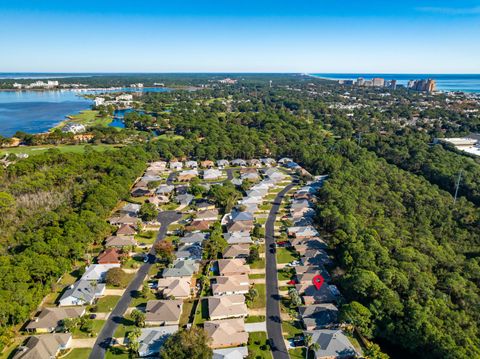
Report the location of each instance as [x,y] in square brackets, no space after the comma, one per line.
[405,253]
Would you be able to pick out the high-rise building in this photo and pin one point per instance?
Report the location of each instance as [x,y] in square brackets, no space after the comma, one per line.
[431,85]
[360,81]
[378,82]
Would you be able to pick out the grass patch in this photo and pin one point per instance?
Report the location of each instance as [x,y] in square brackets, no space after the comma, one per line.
[258,347]
[201,312]
[261,220]
[292,328]
[256,276]
[126,279]
[107,303]
[258,264]
[67,280]
[297,353]
[255,319]
[147,237]
[78,353]
[123,328]
[88,118]
[138,300]
[260,300]
[117,353]
[97,326]
[186,312]
[286,255]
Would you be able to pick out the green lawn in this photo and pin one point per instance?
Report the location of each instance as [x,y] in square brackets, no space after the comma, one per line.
[78,353]
[201,313]
[97,326]
[256,276]
[298,353]
[88,118]
[255,319]
[285,273]
[123,328]
[128,277]
[286,255]
[35,150]
[117,353]
[147,237]
[258,347]
[67,279]
[186,312]
[107,303]
[259,264]
[260,300]
[261,220]
[292,328]
[138,300]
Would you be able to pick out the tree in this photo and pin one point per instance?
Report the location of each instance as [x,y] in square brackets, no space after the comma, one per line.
[294,297]
[116,277]
[69,324]
[187,344]
[86,324]
[215,244]
[373,351]
[196,187]
[358,315]
[133,345]
[310,344]
[251,295]
[148,212]
[164,250]
[138,317]
[254,255]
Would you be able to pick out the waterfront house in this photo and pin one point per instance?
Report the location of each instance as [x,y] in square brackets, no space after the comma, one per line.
[163,312]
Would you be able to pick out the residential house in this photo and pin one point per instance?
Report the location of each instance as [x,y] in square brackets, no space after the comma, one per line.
[179,288]
[254,162]
[184,199]
[51,319]
[158,166]
[186,176]
[131,209]
[230,267]
[231,353]
[332,344]
[199,226]
[222,163]
[126,230]
[125,219]
[203,205]
[227,306]
[268,161]
[163,312]
[158,200]
[141,192]
[239,162]
[120,241]
[302,232]
[181,269]
[97,272]
[82,292]
[284,160]
[226,333]
[176,166]
[165,189]
[151,340]
[195,238]
[188,251]
[235,284]
[45,346]
[212,174]
[311,295]
[238,238]
[191,164]
[207,215]
[207,164]
[319,316]
[109,256]
[237,251]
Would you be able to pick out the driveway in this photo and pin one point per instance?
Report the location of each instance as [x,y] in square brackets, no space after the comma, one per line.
[274,319]
[105,336]
[256,327]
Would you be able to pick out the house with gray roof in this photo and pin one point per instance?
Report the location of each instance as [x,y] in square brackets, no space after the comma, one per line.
[319,316]
[163,312]
[189,252]
[231,353]
[194,238]
[82,292]
[151,340]
[184,199]
[165,189]
[239,162]
[332,344]
[222,163]
[181,268]
[51,319]
[131,208]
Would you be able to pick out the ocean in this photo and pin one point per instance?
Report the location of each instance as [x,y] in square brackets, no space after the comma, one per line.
[463,83]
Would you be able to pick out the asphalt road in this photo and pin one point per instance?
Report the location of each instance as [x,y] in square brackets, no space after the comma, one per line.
[105,336]
[274,321]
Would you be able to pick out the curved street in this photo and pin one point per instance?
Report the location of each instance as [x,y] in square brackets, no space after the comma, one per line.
[105,337]
[274,321]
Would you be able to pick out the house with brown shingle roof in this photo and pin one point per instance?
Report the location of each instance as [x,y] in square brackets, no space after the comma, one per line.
[199,226]
[227,306]
[109,256]
[126,230]
[229,267]
[51,319]
[237,251]
[179,288]
[45,346]
[207,164]
[163,312]
[120,241]
[226,333]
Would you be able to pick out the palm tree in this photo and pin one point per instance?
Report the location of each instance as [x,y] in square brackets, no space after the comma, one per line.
[310,344]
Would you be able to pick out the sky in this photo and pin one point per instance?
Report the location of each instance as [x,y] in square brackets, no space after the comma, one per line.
[315,36]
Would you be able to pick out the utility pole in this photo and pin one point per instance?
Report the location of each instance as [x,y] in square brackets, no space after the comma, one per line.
[456,188]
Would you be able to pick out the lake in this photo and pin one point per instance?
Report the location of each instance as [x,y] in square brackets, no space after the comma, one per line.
[39,111]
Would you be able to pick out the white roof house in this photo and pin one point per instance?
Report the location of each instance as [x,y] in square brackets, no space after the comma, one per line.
[231,353]
[212,174]
[151,340]
[176,165]
[82,292]
[191,164]
[97,272]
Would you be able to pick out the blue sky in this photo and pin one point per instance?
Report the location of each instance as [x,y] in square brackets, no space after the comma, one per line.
[240,36]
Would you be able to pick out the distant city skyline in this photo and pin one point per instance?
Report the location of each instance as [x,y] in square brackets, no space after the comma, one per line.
[413,37]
